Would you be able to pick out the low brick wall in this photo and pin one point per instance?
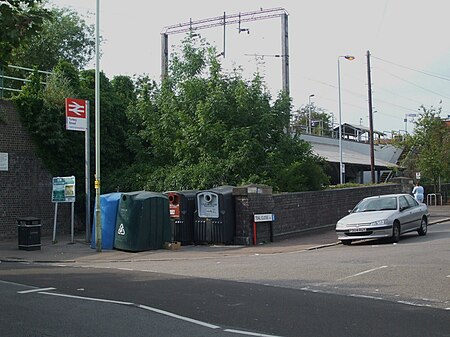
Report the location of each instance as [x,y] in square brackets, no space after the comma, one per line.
[295,213]
[26,186]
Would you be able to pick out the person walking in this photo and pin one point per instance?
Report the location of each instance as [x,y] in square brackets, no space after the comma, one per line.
[418,192]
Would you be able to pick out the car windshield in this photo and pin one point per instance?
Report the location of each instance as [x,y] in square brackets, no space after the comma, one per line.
[378,204]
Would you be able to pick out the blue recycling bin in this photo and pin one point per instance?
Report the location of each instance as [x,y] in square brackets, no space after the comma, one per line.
[109,204]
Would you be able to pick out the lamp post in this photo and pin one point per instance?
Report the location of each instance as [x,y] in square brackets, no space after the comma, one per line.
[309,113]
[341,168]
[98,227]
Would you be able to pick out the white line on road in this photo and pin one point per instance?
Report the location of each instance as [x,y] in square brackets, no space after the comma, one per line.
[246,333]
[361,273]
[87,298]
[43,291]
[366,296]
[187,319]
[35,290]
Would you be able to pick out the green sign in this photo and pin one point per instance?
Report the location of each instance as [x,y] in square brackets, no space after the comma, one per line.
[63,189]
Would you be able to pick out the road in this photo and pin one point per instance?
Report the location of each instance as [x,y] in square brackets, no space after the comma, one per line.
[366,289]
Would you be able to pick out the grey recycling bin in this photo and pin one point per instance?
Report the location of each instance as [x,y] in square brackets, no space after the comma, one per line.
[215,218]
[29,232]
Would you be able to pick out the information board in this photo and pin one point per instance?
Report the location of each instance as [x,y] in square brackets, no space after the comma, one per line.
[63,189]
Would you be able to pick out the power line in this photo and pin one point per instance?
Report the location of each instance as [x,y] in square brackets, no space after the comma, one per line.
[414,84]
[416,70]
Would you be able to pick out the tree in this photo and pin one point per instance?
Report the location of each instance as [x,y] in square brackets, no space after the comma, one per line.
[64,36]
[429,147]
[20,20]
[321,121]
[203,128]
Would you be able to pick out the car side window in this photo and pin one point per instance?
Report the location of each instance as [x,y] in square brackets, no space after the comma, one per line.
[403,203]
[411,201]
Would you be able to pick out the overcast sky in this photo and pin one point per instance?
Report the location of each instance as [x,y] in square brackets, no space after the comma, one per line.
[406,39]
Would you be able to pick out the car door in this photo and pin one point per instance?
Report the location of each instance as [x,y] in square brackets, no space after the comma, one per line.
[406,214]
[416,210]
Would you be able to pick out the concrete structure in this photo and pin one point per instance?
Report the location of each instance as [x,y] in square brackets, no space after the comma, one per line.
[356,158]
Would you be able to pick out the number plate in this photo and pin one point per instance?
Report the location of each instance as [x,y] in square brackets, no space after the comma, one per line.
[357,230]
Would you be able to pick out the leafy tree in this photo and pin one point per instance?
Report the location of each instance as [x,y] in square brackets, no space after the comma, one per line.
[321,121]
[20,20]
[203,128]
[42,111]
[432,139]
[429,148]
[64,36]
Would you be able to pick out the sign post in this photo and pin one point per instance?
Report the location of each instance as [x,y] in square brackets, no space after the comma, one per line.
[63,191]
[77,119]
[267,217]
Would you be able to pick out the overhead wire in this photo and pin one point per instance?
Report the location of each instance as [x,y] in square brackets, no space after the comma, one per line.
[442,77]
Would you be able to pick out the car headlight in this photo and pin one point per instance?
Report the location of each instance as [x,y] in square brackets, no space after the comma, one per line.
[378,222]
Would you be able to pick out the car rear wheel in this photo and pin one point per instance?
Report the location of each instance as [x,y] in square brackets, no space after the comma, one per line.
[346,242]
[395,232]
[423,227]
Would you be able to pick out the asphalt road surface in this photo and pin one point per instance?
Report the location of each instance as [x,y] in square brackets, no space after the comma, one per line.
[367,289]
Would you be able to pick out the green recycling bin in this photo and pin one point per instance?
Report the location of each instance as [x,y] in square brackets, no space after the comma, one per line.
[142,221]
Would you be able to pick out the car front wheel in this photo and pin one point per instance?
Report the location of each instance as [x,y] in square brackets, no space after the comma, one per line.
[395,232]
[423,227]
[346,242]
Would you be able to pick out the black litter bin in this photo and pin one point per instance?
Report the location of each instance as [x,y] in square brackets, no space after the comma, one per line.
[182,211]
[142,221]
[214,219]
[29,230]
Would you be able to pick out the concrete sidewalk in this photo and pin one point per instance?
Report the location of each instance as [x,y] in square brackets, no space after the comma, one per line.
[80,251]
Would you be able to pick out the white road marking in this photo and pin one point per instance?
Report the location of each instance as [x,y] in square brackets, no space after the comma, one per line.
[35,290]
[16,284]
[414,304]
[246,333]
[43,291]
[366,296]
[187,319]
[87,298]
[362,273]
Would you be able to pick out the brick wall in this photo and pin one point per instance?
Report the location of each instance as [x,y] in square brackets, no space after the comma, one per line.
[26,187]
[300,212]
[295,213]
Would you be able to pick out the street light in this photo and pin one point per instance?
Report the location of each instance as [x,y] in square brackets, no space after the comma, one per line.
[341,169]
[309,113]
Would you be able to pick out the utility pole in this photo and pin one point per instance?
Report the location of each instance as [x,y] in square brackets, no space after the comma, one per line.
[372,155]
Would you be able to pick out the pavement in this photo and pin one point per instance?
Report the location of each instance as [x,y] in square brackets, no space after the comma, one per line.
[64,251]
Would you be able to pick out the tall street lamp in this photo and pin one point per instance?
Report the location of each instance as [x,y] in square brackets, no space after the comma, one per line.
[341,165]
[309,113]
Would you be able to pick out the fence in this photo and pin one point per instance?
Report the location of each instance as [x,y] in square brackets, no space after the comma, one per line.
[10,81]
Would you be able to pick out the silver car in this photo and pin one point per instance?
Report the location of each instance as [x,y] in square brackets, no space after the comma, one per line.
[383,216]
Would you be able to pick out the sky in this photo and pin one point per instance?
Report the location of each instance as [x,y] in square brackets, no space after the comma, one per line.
[408,42]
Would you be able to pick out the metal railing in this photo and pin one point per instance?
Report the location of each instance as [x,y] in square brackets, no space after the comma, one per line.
[10,87]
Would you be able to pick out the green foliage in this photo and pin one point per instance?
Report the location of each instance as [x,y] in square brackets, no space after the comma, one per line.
[64,36]
[321,120]
[203,128]
[58,88]
[431,146]
[20,20]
